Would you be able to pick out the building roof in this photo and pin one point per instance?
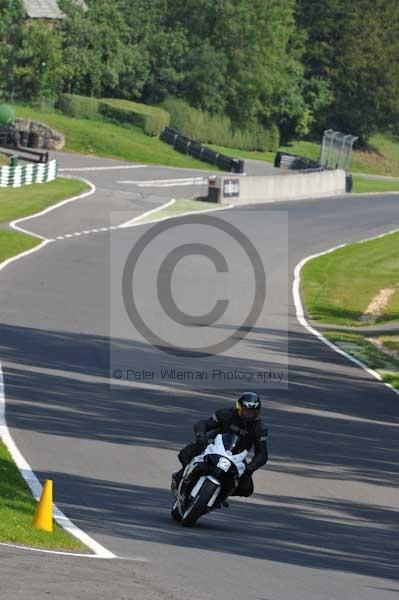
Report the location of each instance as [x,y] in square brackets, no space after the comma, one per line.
[47,9]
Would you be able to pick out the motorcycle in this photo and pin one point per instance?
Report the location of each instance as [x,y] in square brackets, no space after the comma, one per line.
[208,479]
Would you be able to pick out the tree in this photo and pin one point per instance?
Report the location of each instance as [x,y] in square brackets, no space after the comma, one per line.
[11,30]
[243,58]
[39,70]
[96,49]
[355,48]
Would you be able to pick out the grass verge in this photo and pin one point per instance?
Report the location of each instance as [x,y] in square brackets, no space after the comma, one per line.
[17,505]
[100,138]
[362,185]
[381,158]
[359,346]
[14,242]
[338,287]
[17,508]
[21,202]
[131,143]
[177,208]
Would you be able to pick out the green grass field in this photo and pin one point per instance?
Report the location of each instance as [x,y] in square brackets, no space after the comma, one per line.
[391,342]
[99,138]
[14,242]
[364,350]
[17,508]
[338,287]
[20,202]
[362,185]
[382,157]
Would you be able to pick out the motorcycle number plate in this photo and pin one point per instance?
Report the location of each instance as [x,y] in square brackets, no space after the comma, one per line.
[224,464]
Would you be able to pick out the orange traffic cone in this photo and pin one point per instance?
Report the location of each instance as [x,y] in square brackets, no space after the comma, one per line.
[43,518]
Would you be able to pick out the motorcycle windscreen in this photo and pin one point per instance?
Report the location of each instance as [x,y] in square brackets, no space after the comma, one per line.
[230,442]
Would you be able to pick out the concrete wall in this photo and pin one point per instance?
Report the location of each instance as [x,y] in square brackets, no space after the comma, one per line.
[273,188]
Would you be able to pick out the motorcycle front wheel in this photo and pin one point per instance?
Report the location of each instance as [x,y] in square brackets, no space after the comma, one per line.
[199,505]
[175,512]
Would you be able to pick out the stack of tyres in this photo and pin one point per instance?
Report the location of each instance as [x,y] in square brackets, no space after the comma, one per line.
[35,140]
[189,146]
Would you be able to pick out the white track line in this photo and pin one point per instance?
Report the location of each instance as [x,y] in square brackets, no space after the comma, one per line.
[300,313]
[14,224]
[136,221]
[22,465]
[165,182]
[185,214]
[149,212]
[81,169]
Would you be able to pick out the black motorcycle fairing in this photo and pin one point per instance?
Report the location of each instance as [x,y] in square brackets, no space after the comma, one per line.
[213,459]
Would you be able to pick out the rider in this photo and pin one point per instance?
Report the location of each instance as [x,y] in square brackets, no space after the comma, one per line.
[243,420]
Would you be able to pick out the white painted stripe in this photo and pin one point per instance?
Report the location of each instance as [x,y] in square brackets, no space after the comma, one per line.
[71,554]
[185,214]
[180,179]
[22,465]
[14,224]
[47,551]
[166,182]
[136,221]
[300,313]
[81,169]
[149,212]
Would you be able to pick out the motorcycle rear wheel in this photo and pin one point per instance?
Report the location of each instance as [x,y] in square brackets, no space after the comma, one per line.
[199,505]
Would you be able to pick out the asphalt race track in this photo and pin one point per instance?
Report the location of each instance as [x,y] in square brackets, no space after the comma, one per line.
[323,521]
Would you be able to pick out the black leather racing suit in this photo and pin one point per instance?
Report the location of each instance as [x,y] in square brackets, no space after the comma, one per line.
[253,435]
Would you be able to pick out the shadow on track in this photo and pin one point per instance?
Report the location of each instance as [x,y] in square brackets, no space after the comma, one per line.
[315,432]
[350,435]
[283,529]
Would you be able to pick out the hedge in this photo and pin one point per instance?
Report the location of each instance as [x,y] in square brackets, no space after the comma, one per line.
[218,129]
[149,118]
[80,107]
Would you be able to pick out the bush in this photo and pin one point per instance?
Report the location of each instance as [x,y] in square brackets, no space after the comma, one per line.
[218,129]
[79,107]
[149,118]
[120,115]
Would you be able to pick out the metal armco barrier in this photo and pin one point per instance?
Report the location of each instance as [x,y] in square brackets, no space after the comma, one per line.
[20,175]
[189,146]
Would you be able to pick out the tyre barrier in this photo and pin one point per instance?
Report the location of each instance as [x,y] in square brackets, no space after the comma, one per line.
[17,176]
[189,146]
[284,160]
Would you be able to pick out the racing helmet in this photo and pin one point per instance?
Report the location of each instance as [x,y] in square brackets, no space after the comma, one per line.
[249,406]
